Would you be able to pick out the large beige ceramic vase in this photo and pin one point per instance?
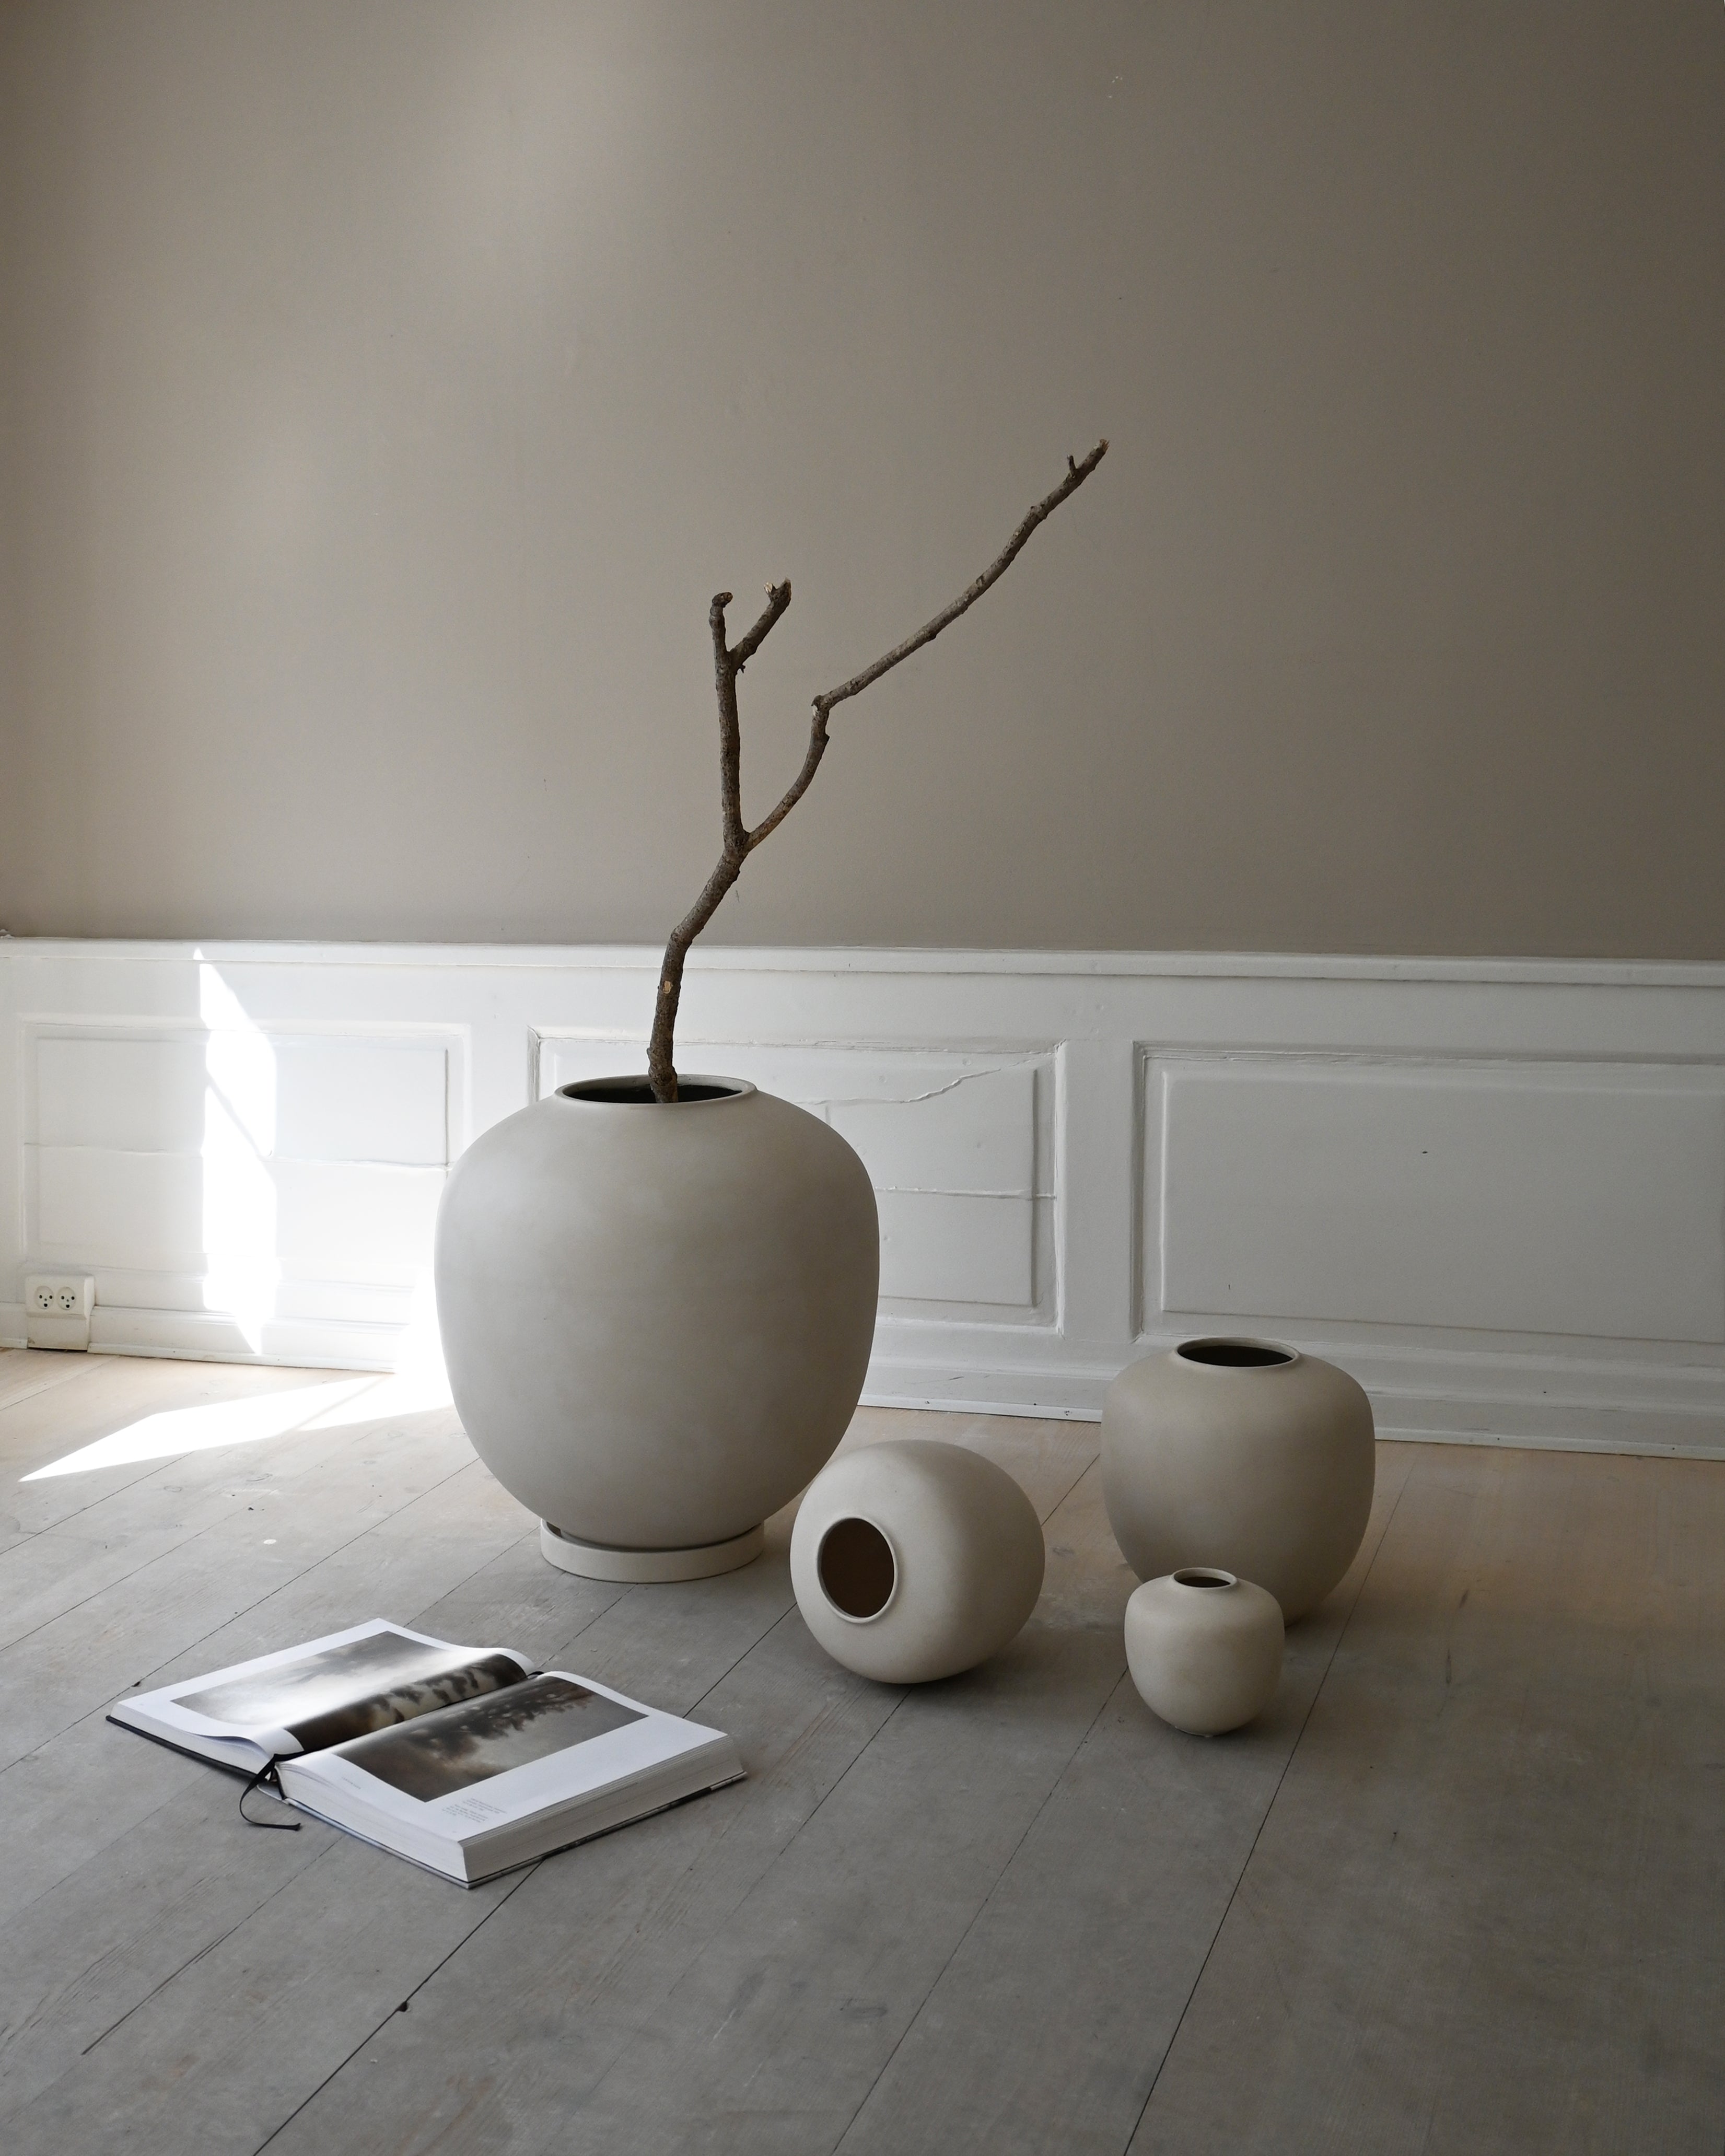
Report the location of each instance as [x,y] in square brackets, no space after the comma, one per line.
[657,1318]
[1242,1454]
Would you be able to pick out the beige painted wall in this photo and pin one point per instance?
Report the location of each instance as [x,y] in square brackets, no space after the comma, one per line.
[385,388]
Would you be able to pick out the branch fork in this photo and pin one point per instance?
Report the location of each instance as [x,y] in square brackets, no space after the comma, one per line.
[739,842]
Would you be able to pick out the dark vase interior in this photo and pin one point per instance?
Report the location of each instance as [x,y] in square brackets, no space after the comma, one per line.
[1233,1354]
[856,1567]
[637,1093]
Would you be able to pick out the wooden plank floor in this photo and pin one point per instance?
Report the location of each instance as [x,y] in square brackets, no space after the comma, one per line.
[1460,1890]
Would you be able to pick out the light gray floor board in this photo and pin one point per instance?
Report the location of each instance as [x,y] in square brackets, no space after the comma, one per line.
[118,1533]
[214,2058]
[227,1988]
[1484,1913]
[89,1952]
[111,1393]
[592,1947]
[1460,1889]
[800,1722]
[772,2035]
[50,1809]
[1120,1885]
[27,1370]
[185,1828]
[129,1633]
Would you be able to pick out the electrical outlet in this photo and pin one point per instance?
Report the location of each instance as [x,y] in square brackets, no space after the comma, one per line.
[57,1307]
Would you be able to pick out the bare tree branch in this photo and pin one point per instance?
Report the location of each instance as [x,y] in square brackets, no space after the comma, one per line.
[778,598]
[799,785]
[727,664]
[1075,476]
[736,840]
[739,841]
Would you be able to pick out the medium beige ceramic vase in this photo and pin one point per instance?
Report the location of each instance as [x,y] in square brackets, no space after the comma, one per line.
[1204,1648]
[657,1318]
[914,1559]
[1244,1455]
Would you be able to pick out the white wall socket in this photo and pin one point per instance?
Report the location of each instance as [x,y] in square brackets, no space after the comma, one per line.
[57,1307]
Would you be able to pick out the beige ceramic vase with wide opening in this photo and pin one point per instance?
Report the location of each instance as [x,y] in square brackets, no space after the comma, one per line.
[1204,1648]
[1244,1455]
[657,1317]
[915,1559]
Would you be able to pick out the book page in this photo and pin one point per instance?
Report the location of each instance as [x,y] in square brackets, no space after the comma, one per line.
[548,1742]
[328,1690]
[451,1750]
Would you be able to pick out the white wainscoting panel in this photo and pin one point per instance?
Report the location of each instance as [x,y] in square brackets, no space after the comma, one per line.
[1559,1198]
[957,1145]
[1493,1189]
[273,1183]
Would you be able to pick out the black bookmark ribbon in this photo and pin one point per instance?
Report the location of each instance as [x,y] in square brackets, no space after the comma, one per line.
[266,1778]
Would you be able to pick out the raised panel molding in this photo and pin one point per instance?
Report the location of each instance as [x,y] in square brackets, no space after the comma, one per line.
[957,1145]
[1493,1189]
[1558,1198]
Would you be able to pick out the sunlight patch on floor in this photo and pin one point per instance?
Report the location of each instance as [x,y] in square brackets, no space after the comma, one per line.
[200,1429]
[417,1385]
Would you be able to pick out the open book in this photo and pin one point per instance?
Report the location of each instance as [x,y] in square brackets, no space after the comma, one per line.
[464,1759]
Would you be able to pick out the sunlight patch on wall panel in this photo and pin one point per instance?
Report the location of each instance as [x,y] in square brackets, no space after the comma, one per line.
[256,1172]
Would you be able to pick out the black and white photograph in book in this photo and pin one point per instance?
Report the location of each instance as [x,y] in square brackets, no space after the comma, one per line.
[458,1746]
[348,1691]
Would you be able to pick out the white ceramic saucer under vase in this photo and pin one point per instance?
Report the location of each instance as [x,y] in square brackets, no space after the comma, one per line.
[915,1559]
[1242,1454]
[656,1317]
[1204,1648]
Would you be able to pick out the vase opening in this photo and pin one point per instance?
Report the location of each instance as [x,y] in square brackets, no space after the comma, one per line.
[856,1568]
[637,1093]
[1234,1354]
[1201,1576]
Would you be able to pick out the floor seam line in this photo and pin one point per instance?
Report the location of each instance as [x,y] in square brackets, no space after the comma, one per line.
[234,1616]
[982,1910]
[342,2064]
[191,1960]
[1093,1461]
[120,1580]
[1293,1752]
[759,1640]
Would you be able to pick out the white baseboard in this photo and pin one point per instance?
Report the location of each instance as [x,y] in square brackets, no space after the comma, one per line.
[1584,1417]
[1495,1190]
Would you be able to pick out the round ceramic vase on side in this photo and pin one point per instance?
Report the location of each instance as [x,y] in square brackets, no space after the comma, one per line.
[913,1560]
[656,1317]
[1204,1648]
[1242,1454]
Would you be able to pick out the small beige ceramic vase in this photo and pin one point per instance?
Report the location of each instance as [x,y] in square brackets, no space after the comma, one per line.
[914,1559]
[1243,1453]
[1204,1648]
